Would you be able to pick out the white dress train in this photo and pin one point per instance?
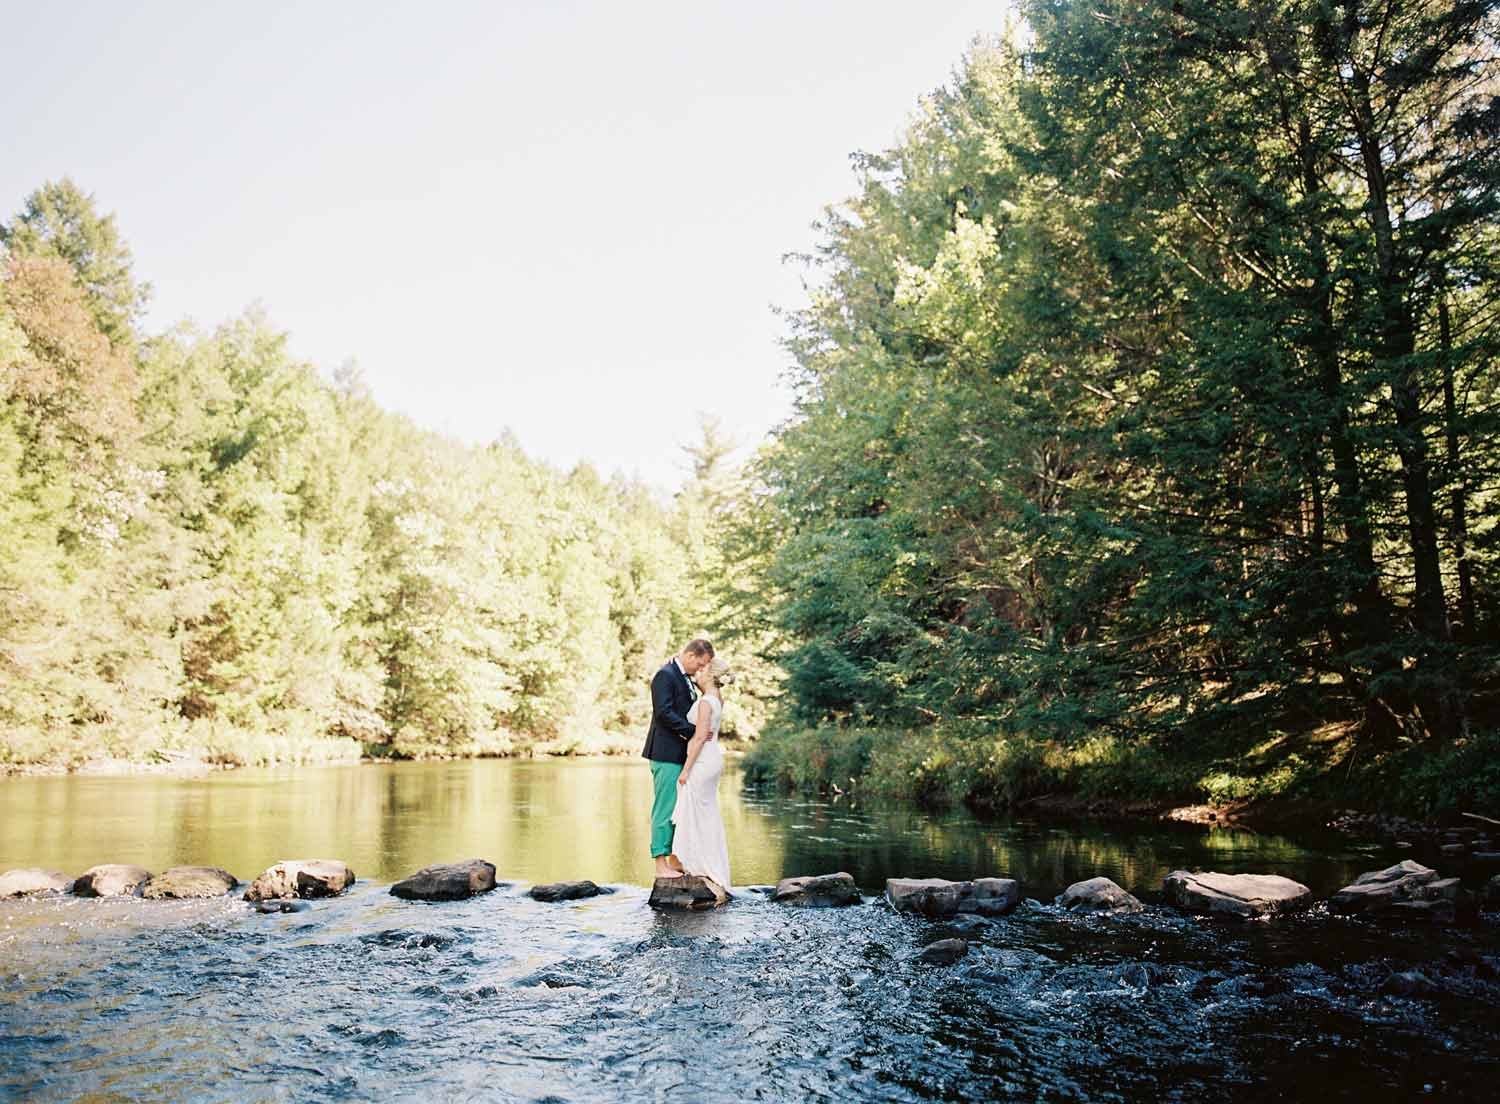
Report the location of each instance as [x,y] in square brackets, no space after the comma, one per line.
[699,840]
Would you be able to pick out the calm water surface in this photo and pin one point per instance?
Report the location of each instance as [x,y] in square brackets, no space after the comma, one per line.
[368,997]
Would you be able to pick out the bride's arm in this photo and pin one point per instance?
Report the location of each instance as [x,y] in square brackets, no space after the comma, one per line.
[695,745]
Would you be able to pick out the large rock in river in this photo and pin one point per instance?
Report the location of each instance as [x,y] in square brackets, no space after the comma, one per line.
[303,878]
[1240,895]
[33,882]
[938,897]
[446,882]
[687,892]
[564,891]
[182,882]
[1380,889]
[817,891]
[1098,895]
[112,880]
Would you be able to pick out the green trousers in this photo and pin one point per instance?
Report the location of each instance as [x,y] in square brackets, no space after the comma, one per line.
[663,801]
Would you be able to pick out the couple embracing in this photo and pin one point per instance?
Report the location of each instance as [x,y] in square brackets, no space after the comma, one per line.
[687,708]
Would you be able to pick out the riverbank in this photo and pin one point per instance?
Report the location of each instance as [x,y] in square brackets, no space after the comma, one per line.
[1267,779]
[200,762]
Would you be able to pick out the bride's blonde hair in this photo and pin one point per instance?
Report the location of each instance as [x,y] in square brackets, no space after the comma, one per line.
[720,671]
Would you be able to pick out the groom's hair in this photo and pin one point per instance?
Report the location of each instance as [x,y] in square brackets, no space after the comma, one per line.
[699,647]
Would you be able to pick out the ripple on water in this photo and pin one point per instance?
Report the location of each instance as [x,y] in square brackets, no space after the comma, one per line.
[363,997]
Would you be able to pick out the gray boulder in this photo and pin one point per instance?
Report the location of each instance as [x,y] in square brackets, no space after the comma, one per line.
[1379,889]
[32,881]
[938,897]
[447,882]
[564,891]
[687,892]
[112,880]
[943,952]
[1098,895]
[301,878]
[1237,895]
[182,882]
[817,891]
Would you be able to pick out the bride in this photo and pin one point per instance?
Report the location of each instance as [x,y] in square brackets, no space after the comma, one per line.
[699,840]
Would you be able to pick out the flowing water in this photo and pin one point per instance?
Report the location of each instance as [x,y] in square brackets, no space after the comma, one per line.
[504,998]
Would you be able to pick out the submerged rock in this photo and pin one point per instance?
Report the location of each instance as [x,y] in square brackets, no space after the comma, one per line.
[446,882]
[943,952]
[302,878]
[1491,892]
[1098,895]
[687,892]
[182,882]
[32,881]
[817,891]
[1238,895]
[564,891]
[1379,889]
[281,904]
[1409,983]
[112,880]
[938,897]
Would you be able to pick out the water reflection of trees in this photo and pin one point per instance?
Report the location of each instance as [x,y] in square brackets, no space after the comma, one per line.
[541,820]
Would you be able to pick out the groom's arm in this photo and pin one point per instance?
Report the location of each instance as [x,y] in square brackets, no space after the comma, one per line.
[662,708]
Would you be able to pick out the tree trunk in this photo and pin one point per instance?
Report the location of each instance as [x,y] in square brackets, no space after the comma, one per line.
[1396,343]
[1458,507]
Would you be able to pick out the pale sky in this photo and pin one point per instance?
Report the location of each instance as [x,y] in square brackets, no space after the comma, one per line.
[565,219]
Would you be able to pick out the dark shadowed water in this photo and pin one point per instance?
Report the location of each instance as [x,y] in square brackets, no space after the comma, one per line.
[503,998]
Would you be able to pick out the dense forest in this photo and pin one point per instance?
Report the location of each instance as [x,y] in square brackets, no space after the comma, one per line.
[1146,439]
[1145,446]
[212,552]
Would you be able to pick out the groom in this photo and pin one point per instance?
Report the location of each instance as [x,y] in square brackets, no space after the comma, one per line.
[672,694]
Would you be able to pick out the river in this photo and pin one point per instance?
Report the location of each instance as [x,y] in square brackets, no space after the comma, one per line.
[500,997]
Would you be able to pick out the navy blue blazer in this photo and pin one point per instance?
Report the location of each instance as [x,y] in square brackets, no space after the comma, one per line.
[671,698]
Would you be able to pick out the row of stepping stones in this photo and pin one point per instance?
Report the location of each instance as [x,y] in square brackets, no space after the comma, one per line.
[1406,890]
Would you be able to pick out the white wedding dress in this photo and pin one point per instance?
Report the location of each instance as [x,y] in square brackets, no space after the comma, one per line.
[699,841]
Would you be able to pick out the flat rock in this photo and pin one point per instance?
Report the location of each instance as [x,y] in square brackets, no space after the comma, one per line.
[1098,895]
[112,880]
[1238,895]
[446,882]
[301,878]
[687,892]
[33,881]
[182,882]
[817,891]
[564,891]
[943,952]
[1378,889]
[938,897]
[1486,856]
